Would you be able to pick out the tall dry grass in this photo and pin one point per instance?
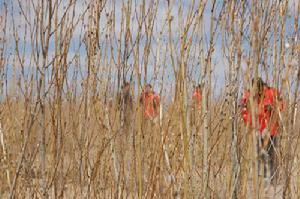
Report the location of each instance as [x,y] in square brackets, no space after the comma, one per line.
[62,129]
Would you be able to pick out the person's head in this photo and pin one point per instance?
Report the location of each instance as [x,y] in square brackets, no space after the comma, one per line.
[198,88]
[260,84]
[148,88]
[126,87]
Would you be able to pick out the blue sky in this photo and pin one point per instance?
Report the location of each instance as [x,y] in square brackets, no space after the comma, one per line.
[77,48]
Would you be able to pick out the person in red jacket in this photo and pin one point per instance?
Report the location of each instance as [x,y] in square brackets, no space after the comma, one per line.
[196,104]
[197,97]
[269,105]
[151,102]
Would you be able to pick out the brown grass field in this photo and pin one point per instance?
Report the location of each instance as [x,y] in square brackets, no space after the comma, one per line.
[86,161]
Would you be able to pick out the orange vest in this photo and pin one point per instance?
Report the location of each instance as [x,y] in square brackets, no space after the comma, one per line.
[267,115]
[197,98]
[151,103]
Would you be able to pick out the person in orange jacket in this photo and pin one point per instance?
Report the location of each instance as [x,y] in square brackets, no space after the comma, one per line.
[196,104]
[269,104]
[151,102]
[197,97]
[267,99]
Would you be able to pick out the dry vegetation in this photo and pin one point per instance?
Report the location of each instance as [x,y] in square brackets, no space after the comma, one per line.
[62,64]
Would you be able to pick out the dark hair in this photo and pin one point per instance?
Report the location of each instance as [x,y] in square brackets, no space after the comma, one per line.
[149,85]
[198,86]
[259,84]
[125,84]
[259,81]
